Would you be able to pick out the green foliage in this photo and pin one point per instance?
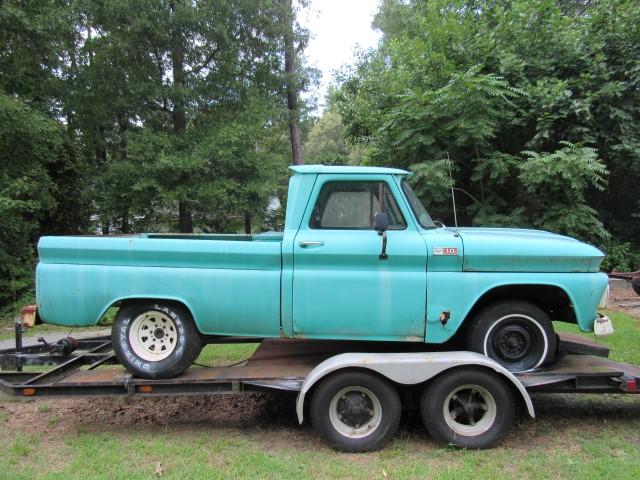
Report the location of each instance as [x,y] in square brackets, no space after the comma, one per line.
[621,257]
[326,144]
[116,116]
[536,104]
[556,184]
[197,84]
[431,181]
[29,143]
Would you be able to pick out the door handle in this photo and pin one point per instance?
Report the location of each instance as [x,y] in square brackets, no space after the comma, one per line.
[311,243]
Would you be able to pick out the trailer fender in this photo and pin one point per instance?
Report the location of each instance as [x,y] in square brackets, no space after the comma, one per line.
[409,368]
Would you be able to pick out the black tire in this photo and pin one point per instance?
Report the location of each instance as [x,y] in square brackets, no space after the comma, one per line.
[518,335]
[470,408]
[344,400]
[635,284]
[173,339]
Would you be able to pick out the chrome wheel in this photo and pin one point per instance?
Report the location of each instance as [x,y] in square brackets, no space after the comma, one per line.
[355,412]
[153,336]
[469,410]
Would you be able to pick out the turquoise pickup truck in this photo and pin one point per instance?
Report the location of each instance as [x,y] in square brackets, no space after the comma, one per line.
[359,259]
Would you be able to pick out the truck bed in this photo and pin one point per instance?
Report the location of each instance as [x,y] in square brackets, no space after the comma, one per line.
[80,278]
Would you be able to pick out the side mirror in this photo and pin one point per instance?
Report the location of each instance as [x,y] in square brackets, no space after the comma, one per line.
[380,222]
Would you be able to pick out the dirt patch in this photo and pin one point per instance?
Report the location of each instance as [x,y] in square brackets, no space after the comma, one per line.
[215,410]
[625,300]
[270,419]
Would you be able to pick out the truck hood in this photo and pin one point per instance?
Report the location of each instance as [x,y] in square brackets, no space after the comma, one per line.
[520,250]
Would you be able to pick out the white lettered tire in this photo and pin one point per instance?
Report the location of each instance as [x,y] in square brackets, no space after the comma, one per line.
[155,339]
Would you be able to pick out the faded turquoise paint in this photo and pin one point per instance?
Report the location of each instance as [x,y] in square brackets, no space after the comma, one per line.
[145,251]
[341,289]
[520,250]
[457,292]
[78,278]
[300,187]
[268,285]
[346,170]
[443,238]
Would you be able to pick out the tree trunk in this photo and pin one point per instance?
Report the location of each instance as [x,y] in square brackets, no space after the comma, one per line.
[185,220]
[179,115]
[292,85]
[101,147]
[247,223]
[125,227]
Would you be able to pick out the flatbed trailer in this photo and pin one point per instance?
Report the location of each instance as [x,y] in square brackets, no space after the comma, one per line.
[351,390]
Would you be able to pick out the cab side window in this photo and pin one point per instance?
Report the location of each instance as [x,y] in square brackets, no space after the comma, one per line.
[353,205]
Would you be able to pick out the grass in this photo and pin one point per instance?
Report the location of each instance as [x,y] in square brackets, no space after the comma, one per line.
[225,354]
[588,436]
[7,332]
[7,327]
[624,342]
[204,454]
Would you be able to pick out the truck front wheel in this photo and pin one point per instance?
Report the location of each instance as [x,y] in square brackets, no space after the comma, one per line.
[518,335]
[155,340]
[355,411]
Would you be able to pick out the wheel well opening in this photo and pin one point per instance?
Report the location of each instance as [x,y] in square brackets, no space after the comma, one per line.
[130,301]
[553,300]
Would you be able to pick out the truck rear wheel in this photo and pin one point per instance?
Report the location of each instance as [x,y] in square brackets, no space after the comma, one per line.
[155,340]
[518,335]
[355,411]
[470,408]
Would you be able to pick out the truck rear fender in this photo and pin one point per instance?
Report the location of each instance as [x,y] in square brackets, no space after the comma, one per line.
[411,368]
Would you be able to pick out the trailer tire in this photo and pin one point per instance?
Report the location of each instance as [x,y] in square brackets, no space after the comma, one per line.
[355,411]
[516,334]
[470,408]
[155,339]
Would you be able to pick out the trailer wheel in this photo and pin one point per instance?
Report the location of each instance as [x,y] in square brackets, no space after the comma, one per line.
[518,335]
[355,411]
[155,340]
[470,408]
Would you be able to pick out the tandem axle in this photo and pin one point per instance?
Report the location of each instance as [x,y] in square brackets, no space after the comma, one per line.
[352,389]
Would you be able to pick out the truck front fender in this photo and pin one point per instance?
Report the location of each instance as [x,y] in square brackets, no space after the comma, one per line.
[410,368]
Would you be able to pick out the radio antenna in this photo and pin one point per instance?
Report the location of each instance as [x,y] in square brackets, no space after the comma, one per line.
[453,194]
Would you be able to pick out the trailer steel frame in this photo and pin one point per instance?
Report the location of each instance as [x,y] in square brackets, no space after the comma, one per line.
[278,364]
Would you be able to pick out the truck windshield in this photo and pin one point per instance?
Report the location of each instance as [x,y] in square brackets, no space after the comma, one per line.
[416,205]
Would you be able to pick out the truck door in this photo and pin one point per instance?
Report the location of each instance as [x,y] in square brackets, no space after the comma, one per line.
[342,289]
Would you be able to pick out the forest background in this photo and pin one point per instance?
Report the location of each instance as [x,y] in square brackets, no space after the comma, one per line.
[119,117]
